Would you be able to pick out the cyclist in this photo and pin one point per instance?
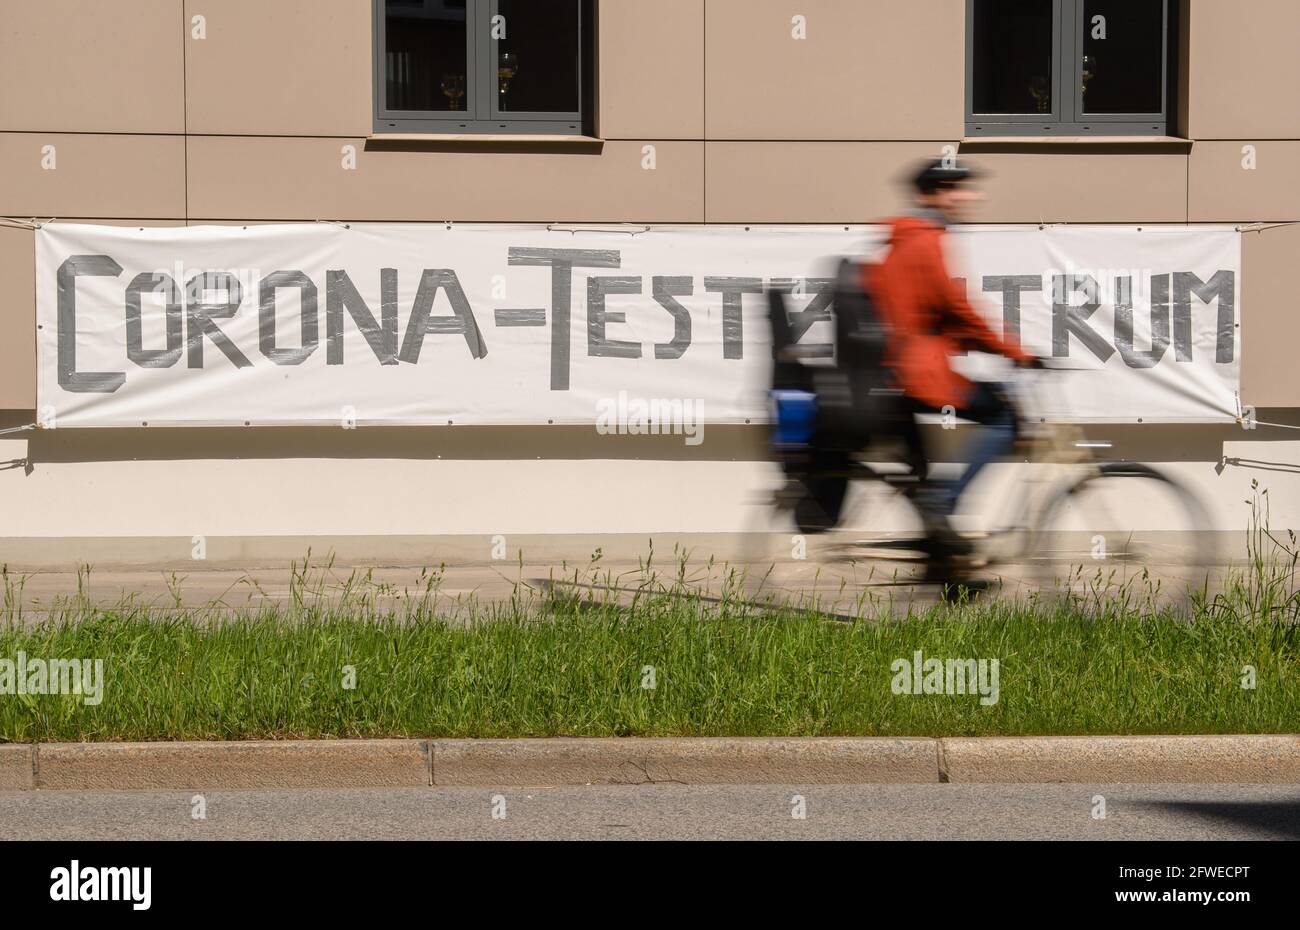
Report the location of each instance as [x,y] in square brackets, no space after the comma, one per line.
[928,320]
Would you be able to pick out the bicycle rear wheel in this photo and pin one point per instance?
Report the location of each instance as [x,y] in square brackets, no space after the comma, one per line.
[785,556]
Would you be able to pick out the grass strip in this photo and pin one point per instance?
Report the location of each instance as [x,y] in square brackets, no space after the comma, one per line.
[568,669]
[365,661]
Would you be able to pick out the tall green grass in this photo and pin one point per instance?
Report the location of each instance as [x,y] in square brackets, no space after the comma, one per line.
[576,664]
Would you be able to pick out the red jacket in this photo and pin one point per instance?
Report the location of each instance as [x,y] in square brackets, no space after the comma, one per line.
[928,315]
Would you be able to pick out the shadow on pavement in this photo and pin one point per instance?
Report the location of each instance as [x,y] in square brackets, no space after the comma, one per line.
[1281,818]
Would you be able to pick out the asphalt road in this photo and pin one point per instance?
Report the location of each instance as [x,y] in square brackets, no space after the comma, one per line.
[669,812]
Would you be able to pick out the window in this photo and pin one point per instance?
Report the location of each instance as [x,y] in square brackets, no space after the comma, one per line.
[482,66]
[1068,67]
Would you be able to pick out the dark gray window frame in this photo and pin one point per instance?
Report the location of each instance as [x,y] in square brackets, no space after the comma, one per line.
[482,114]
[1067,117]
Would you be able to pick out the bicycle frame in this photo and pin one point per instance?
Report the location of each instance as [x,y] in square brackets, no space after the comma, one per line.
[1053,454]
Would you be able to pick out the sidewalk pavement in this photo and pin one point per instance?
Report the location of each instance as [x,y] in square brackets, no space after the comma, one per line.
[1235,759]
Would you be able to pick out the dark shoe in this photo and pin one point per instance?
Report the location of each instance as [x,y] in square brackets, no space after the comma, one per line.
[943,571]
[954,592]
[953,573]
[942,542]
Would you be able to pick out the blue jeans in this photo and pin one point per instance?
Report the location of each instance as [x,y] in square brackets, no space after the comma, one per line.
[987,405]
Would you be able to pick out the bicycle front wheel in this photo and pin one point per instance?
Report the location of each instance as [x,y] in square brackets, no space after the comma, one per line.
[1124,530]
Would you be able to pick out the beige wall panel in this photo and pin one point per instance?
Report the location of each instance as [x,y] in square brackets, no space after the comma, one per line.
[18,319]
[290,67]
[94,175]
[74,66]
[1222,190]
[18,311]
[1270,317]
[1082,187]
[888,69]
[650,64]
[1244,80]
[253,178]
[832,182]
[809,182]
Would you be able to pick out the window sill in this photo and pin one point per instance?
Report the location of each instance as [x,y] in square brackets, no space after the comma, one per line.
[476,137]
[1132,141]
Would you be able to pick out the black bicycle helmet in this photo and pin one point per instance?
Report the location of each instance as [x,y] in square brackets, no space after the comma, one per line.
[942,172]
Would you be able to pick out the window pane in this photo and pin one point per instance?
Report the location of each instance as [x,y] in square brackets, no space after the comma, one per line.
[425,66]
[1012,56]
[537,60]
[1123,72]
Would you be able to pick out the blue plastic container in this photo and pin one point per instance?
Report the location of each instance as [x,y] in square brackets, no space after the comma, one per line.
[796,417]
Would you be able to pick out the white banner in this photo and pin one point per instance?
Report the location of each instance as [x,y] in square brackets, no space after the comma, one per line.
[436,324]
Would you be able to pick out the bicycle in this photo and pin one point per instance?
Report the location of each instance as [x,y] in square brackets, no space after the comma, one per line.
[1060,525]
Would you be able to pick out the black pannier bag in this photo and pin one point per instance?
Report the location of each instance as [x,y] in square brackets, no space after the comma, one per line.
[825,415]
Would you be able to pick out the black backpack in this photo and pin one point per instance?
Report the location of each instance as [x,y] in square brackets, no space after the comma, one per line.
[854,397]
[860,333]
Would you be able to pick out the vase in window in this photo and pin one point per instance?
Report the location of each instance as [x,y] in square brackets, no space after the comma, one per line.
[453,88]
[506,70]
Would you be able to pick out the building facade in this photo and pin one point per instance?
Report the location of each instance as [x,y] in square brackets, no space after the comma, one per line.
[194,112]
